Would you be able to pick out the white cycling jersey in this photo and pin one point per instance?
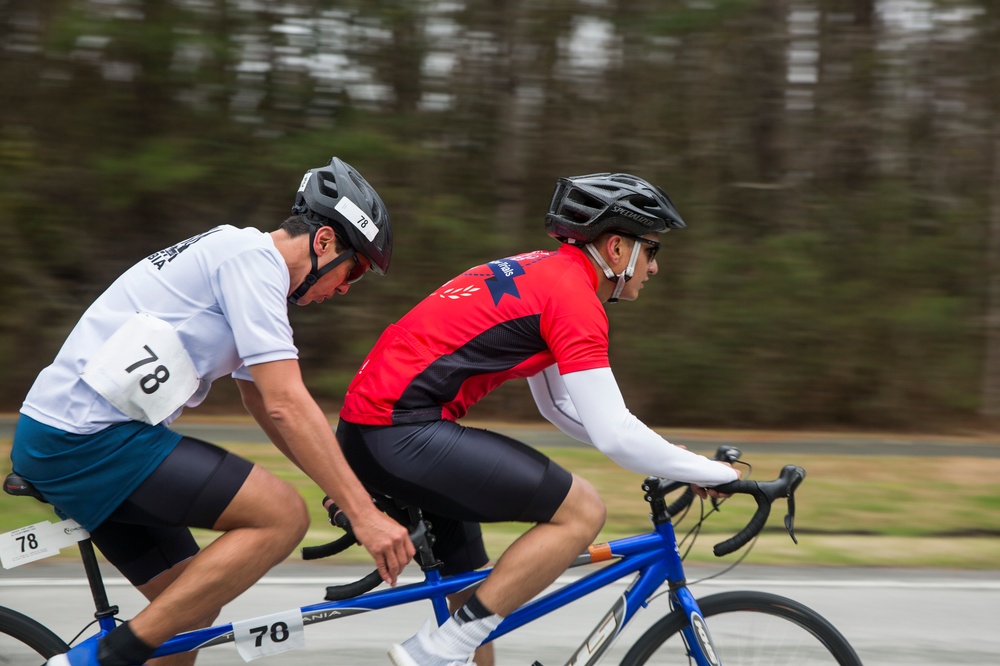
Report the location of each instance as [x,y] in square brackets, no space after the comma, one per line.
[224,292]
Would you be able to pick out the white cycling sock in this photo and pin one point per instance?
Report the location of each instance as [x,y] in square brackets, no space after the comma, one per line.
[461,640]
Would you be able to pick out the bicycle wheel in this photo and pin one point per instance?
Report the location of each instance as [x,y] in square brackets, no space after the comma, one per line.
[24,642]
[748,628]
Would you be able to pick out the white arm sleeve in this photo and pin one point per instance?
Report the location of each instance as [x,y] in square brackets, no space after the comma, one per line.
[552,398]
[625,439]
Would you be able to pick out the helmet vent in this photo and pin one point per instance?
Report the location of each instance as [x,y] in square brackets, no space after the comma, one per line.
[625,180]
[327,186]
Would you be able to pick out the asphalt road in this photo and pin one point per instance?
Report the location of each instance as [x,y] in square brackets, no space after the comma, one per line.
[892,617]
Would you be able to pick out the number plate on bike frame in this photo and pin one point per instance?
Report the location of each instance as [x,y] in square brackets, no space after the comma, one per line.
[38,541]
[269,634]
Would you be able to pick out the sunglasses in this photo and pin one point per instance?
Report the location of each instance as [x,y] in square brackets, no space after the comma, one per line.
[651,250]
[361,266]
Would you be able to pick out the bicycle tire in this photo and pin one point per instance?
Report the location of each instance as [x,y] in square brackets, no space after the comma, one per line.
[748,628]
[23,639]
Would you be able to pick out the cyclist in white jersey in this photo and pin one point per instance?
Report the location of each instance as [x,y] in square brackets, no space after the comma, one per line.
[94,433]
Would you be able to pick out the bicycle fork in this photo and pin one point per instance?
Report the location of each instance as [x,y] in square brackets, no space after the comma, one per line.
[696,635]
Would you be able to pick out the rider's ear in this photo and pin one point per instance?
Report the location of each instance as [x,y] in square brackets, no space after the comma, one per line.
[615,248]
[325,238]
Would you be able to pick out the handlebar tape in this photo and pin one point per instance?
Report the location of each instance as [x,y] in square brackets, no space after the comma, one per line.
[329,549]
[681,503]
[756,523]
[350,590]
[765,492]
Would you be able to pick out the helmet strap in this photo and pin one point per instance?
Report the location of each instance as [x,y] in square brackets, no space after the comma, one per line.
[316,273]
[620,278]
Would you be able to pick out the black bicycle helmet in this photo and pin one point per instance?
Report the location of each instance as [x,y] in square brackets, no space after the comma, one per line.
[584,207]
[338,196]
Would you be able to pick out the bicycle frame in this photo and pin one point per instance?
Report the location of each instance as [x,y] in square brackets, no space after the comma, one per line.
[653,556]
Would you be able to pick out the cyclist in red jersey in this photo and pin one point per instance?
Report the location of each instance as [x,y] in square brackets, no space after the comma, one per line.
[540,316]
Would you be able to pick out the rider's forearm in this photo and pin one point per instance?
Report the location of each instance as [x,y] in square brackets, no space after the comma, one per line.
[630,443]
[313,446]
[303,432]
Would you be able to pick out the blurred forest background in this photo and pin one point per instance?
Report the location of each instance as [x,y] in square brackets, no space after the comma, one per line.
[837,161]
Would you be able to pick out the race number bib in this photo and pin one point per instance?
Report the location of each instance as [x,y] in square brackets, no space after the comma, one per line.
[143,370]
[38,541]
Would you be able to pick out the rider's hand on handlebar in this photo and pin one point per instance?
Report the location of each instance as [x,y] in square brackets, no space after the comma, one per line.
[387,541]
[705,493]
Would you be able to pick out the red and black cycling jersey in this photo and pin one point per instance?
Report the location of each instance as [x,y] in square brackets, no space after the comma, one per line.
[506,319]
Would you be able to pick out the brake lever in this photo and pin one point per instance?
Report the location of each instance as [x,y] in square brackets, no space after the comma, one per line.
[790,518]
[797,474]
[729,454]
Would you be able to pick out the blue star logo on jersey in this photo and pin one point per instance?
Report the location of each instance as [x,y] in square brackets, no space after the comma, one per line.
[502,282]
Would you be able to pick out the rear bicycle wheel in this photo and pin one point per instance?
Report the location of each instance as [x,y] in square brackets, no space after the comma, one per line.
[25,642]
[748,628]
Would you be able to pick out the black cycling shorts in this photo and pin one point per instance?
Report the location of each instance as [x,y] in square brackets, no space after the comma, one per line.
[459,477]
[148,532]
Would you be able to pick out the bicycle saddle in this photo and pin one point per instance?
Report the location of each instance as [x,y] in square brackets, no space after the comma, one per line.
[17,485]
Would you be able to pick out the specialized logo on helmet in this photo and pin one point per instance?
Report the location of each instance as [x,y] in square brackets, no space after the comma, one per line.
[632,215]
